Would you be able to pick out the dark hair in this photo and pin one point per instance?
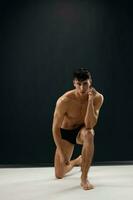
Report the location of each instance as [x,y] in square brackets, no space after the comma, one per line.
[82,74]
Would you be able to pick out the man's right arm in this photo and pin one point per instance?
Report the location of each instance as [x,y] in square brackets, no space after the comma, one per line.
[59,114]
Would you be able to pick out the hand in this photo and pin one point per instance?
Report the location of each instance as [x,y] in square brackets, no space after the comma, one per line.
[91,94]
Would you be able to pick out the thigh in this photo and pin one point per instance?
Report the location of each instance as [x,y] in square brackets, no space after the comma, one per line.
[67,148]
[81,134]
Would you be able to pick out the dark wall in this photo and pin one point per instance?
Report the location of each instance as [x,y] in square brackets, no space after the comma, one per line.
[42,42]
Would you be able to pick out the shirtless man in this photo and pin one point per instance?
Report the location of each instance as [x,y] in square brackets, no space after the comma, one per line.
[75,117]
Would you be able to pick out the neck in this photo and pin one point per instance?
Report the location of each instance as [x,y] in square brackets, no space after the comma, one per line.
[81,97]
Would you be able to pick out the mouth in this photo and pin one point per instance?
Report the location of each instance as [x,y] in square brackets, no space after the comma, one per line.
[82,92]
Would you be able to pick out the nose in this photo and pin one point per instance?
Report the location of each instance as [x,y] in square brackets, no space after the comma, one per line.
[81,87]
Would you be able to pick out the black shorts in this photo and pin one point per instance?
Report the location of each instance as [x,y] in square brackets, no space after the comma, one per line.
[70,135]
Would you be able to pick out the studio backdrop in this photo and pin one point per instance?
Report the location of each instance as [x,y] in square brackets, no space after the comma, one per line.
[42,43]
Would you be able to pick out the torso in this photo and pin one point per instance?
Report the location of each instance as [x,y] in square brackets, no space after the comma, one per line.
[76,111]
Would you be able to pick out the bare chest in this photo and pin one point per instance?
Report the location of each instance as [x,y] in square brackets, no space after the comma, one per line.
[77,111]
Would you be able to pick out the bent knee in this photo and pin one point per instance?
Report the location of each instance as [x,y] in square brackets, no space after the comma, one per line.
[89,132]
[59,172]
[59,175]
[89,135]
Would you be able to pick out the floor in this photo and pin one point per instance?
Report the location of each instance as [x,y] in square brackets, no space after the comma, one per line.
[111,183]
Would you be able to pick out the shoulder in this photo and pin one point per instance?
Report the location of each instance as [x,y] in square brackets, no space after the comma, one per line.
[99,98]
[66,97]
[97,94]
[64,100]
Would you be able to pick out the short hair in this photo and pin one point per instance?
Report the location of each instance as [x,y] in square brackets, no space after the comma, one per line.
[82,74]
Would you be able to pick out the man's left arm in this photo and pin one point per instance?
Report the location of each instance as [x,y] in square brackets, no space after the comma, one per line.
[93,108]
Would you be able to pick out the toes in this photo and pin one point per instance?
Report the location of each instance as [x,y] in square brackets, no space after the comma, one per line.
[87,186]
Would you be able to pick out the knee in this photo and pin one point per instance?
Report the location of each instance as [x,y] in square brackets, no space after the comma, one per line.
[89,136]
[59,175]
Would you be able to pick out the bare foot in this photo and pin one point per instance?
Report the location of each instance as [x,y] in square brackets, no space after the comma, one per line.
[78,161]
[86,185]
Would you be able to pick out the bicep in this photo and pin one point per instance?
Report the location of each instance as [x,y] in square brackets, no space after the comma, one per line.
[58,119]
[59,114]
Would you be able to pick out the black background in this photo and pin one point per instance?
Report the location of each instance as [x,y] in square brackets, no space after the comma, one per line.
[42,42]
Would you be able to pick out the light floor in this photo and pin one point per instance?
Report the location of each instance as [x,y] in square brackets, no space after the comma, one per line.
[111,183]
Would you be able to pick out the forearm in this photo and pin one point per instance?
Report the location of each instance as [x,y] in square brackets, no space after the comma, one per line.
[90,117]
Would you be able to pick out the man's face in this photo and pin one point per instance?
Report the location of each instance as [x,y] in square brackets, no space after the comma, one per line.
[82,87]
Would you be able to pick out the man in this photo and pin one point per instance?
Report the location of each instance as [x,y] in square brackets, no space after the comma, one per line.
[75,117]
